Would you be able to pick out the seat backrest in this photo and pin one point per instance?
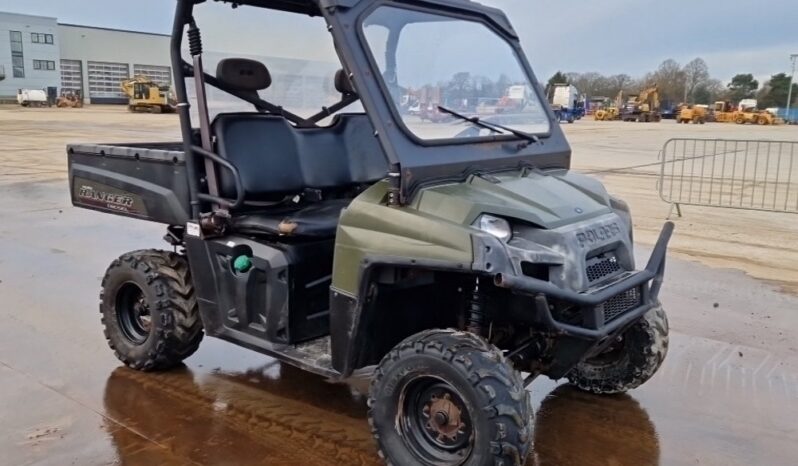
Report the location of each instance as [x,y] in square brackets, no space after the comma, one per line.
[275,158]
[263,149]
[350,145]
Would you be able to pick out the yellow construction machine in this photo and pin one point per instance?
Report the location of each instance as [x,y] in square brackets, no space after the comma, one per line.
[697,114]
[725,112]
[147,96]
[71,99]
[643,107]
[612,112]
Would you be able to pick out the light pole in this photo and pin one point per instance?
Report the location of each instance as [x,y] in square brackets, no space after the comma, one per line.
[793,57]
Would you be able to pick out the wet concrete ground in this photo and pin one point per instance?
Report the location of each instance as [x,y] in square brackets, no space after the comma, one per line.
[727,394]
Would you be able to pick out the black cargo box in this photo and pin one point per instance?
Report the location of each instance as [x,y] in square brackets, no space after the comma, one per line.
[146,181]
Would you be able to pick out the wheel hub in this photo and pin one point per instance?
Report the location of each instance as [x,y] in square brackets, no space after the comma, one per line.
[141,312]
[133,313]
[436,422]
[444,418]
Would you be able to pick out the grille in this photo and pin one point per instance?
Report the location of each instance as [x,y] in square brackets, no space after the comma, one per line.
[619,304]
[601,267]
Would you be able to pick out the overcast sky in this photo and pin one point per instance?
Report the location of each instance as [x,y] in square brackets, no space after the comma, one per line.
[608,36]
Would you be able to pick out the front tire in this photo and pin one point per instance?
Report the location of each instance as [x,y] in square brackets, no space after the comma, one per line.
[149,312]
[449,398]
[630,362]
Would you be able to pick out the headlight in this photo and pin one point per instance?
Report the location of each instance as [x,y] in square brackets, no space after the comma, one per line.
[495,226]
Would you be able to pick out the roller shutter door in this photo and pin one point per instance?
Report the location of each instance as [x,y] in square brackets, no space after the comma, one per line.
[104,79]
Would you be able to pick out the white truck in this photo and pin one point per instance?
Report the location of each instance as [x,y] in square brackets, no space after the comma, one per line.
[566,102]
[565,95]
[32,97]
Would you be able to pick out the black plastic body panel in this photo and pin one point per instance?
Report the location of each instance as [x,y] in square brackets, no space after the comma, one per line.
[282,299]
[145,181]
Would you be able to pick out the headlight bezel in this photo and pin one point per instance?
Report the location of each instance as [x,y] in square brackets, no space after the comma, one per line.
[497,227]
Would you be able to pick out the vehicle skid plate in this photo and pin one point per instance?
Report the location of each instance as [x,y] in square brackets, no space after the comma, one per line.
[542,291]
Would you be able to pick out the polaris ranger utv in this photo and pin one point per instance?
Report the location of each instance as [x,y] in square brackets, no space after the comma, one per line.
[453,256]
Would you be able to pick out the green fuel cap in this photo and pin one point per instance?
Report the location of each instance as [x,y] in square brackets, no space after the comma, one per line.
[242,264]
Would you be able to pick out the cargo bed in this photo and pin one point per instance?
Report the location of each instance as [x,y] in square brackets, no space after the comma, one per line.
[145,181]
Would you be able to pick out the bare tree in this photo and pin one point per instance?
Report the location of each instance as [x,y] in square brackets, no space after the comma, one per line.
[669,78]
[585,82]
[708,92]
[597,85]
[620,82]
[695,74]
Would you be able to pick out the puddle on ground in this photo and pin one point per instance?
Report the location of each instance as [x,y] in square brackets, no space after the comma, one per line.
[708,405]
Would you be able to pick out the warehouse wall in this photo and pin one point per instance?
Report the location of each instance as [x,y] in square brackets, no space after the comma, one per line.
[42,52]
[107,55]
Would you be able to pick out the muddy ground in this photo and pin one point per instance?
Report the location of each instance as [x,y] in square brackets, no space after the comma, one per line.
[727,394]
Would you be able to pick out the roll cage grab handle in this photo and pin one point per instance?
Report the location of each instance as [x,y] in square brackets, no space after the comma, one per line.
[182,70]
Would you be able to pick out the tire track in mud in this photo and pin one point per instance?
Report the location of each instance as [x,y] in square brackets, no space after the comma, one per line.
[296,432]
[731,371]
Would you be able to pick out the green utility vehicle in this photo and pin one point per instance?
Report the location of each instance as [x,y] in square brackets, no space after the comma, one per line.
[447,257]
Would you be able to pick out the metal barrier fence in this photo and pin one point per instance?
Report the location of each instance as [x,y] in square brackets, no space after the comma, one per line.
[735,174]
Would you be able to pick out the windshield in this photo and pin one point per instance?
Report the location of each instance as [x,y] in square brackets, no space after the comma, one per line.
[429,61]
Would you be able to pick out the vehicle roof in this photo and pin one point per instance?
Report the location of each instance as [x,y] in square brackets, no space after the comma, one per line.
[313,7]
[309,7]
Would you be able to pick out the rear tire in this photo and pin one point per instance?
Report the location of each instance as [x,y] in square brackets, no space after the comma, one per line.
[631,362]
[149,312]
[446,397]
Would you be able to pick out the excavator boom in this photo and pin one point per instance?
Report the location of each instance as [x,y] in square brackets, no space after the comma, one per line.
[643,107]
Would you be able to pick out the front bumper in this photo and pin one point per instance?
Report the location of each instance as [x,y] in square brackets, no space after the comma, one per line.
[647,281]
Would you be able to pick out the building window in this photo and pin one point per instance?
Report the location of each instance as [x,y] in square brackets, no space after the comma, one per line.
[44,65]
[38,38]
[17,59]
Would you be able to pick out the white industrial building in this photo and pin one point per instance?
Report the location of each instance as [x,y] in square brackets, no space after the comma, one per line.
[38,53]
[27,43]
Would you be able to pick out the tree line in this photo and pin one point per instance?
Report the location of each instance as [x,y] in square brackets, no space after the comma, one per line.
[691,83]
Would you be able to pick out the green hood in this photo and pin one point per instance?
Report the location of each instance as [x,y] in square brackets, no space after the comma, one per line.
[546,199]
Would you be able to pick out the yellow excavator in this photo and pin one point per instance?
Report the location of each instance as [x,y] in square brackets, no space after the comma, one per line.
[612,112]
[145,95]
[643,107]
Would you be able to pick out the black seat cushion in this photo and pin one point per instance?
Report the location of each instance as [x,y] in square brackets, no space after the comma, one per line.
[276,159]
[317,220]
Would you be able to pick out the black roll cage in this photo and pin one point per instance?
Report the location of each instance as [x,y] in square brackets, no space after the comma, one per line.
[182,70]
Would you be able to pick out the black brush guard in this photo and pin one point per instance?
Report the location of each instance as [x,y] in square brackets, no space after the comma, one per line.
[590,302]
